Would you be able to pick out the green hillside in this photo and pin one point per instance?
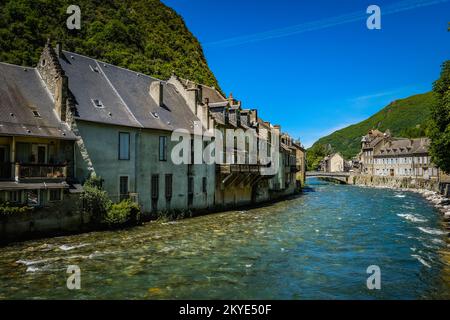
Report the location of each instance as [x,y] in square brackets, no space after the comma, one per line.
[404,118]
[142,35]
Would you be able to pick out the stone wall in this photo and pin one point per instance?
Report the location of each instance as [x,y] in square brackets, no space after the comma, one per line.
[395,182]
[58,218]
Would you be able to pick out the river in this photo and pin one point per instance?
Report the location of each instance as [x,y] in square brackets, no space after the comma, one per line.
[316,246]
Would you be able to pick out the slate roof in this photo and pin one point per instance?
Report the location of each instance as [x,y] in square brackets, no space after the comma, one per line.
[401,147]
[22,91]
[124,95]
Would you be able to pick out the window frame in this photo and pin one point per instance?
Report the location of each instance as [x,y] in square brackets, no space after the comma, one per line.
[120,187]
[168,186]
[162,155]
[129,146]
[50,195]
[154,192]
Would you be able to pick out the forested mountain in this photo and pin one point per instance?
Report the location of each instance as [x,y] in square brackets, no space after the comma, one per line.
[142,35]
[404,118]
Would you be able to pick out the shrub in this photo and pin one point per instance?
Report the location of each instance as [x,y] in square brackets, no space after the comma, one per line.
[123,213]
[172,215]
[96,202]
[9,209]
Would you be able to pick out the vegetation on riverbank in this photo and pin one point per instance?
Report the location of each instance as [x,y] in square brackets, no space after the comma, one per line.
[7,208]
[439,125]
[104,212]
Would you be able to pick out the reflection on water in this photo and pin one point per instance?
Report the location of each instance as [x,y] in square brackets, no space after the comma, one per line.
[317,246]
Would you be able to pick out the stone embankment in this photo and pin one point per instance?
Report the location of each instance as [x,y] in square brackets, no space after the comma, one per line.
[439,201]
[436,193]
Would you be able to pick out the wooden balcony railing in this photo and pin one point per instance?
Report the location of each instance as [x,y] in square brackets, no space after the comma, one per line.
[235,168]
[40,171]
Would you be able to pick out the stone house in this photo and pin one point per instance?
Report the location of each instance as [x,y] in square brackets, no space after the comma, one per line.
[400,157]
[124,121]
[241,182]
[383,155]
[73,116]
[36,145]
[333,163]
[369,144]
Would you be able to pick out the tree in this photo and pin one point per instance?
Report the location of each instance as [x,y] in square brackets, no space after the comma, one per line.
[439,126]
[314,155]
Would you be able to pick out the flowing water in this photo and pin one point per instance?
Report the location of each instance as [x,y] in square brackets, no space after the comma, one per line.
[316,246]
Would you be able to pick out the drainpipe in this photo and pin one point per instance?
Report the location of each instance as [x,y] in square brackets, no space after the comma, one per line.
[136,161]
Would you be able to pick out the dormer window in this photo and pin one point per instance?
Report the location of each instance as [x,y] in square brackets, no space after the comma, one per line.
[36,114]
[155,115]
[97,103]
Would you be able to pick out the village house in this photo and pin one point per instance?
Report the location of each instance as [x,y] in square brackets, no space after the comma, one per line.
[334,163]
[384,155]
[123,121]
[36,146]
[73,117]
[241,182]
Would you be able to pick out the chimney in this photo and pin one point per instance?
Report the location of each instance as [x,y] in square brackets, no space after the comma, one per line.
[230,99]
[253,116]
[58,49]
[156,92]
[226,115]
[199,94]
[277,129]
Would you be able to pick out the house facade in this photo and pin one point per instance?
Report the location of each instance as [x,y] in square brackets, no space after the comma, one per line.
[384,155]
[73,117]
[333,163]
[36,146]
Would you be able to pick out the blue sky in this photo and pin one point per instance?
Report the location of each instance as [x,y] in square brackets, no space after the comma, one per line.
[313,66]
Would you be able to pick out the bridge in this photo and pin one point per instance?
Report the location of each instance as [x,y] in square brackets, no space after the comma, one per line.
[339,177]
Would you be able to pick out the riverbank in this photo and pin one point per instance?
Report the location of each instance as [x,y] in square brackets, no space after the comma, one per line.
[431,190]
[70,219]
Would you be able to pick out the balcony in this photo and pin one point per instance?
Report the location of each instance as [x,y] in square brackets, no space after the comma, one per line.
[40,172]
[5,170]
[238,168]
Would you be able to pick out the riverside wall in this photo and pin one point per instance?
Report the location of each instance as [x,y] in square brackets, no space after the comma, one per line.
[396,182]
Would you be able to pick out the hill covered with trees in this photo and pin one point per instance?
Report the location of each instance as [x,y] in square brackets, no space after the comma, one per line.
[141,35]
[404,118]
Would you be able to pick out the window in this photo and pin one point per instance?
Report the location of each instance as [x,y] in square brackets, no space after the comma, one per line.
[42,154]
[123,188]
[204,185]
[155,115]
[155,186]
[190,185]
[162,148]
[36,114]
[14,196]
[190,191]
[97,103]
[168,186]
[55,195]
[124,146]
